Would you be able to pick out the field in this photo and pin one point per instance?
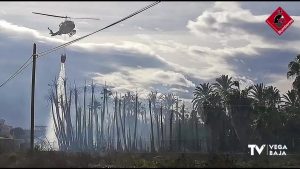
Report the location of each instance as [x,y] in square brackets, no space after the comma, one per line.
[144,160]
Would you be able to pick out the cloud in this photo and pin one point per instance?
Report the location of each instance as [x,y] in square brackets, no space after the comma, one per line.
[246,45]
[280,82]
[127,65]
[16,32]
[221,20]
[231,24]
[174,52]
[144,80]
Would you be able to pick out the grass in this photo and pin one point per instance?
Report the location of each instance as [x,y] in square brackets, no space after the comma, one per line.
[143,160]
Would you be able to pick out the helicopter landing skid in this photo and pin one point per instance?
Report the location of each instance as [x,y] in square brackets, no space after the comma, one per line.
[73,32]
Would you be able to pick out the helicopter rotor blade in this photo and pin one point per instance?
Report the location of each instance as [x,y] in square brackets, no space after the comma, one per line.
[50,15]
[63,16]
[86,18]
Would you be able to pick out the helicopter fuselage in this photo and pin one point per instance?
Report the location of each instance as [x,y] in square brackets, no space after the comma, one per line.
[66,27]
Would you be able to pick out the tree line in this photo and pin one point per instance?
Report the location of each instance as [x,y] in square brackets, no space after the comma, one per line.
[224,117]
[256,114]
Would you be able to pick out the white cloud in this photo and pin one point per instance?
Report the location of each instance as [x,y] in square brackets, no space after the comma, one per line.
[237,31]
[244,81]
[281,82]
[143,80]
[222,23]
[230,25]
[189,47]
[20,32]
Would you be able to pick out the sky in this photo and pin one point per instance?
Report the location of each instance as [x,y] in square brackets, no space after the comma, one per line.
[172,47]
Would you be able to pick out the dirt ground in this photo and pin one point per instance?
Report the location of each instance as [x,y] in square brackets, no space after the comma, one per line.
[144,160]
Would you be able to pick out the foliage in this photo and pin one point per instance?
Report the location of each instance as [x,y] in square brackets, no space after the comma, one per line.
[256,114]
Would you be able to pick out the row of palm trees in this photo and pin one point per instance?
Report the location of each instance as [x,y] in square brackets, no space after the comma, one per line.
[93,118]
[255,114]
[224,117]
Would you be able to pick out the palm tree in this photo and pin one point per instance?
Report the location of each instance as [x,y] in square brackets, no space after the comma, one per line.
[170,100]
[265,96]
[208,106]
[201,94]
[224,85]
[272,96]
[294,72]
[181,126]
[153,99]
[84,117]
[135,121]
[213,115]
[97,106]
[267,119]
[258,94]
[151,123]
[292,109]
[291,99]
[161,126]
[240,110]
[291,105]
[117,103]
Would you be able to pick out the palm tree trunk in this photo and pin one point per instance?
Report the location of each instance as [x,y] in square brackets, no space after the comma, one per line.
[157,127]
[183,127]
[92,116]
[179,132]
[162,127]
[135,123]
[117,124]
[152,136]
[89,129]
[79,128]
[197,134]
[102,114]
[129,140]
[124,124]
[171,123]
[84,118]
[96,126]
[78,121]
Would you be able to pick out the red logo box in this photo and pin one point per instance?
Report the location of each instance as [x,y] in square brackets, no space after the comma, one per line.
[279,21]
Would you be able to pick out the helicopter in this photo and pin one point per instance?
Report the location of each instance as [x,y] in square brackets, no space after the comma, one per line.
[66,27]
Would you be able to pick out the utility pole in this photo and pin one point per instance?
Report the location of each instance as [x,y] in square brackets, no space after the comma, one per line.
[32,97]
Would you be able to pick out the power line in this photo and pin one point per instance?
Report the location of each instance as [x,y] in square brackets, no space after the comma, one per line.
[80,38]
[24,66]
[46,52]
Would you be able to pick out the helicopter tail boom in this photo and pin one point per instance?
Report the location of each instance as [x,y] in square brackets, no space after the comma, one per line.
[54,34]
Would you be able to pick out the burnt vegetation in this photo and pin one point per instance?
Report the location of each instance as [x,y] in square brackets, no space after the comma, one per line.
[98,127]
[224,118]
